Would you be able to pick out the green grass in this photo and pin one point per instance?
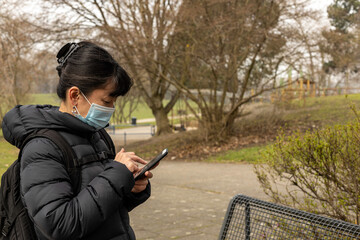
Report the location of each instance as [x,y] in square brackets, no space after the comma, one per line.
[143,111]
[248,155]
[328,110]
[42,99]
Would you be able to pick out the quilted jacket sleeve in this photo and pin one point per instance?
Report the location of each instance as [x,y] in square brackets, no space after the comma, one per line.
[48,195]
[132,200]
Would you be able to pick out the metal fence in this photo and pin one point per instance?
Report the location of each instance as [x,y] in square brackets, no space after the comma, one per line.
[249,218]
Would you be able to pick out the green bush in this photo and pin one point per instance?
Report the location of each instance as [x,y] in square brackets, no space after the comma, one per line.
[317,171]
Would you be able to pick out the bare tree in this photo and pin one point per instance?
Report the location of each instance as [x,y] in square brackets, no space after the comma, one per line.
[218,53]
[231,51]
[15,60]
[308,57]
[139,31]
[342,40]
[45,75]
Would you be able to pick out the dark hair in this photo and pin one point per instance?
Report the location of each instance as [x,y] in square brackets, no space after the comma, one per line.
[91,67]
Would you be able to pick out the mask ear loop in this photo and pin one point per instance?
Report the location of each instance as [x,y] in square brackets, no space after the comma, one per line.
[75,110]
[85,98]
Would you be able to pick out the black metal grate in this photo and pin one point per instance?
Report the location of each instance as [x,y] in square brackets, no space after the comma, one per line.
[249,218]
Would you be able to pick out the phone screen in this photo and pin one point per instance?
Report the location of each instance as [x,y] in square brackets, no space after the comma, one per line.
[151,164]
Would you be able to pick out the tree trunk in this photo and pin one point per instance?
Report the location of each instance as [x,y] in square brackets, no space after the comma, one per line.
[228,127]
[162,121]
[217,126]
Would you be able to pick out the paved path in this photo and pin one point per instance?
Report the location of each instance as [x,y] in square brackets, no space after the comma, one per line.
[189,199]
[125,136]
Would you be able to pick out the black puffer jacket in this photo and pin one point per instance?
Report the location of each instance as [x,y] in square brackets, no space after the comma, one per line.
[100,209]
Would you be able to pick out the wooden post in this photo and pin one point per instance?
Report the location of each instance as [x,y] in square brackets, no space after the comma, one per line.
[290,85]
[347,81]
[301,88]
[308,87]
[314,90]
[186,119]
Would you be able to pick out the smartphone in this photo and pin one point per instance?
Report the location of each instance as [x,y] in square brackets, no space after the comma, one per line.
[151,164]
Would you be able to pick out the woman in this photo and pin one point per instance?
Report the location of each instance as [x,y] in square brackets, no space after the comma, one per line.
[90,81]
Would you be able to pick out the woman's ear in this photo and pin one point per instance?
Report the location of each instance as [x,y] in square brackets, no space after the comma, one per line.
[73,95]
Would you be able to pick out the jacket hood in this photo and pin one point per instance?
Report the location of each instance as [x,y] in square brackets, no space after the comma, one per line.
[21,121]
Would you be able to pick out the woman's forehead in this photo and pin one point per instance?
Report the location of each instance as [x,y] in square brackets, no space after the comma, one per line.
[106,91]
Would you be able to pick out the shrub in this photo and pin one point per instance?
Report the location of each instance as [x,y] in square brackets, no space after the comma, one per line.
[316,171]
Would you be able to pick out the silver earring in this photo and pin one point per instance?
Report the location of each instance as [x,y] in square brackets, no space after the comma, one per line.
[74,110]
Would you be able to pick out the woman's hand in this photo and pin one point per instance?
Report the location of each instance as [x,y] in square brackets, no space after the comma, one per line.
[130,160]
[141,184]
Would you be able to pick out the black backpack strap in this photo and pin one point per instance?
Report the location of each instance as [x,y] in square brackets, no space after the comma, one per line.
[106,137]
[71,163]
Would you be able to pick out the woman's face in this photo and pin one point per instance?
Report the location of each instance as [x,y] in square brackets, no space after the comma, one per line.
[98,96]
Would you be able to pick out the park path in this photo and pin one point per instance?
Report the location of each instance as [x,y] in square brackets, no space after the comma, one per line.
[189,199]
[125,136]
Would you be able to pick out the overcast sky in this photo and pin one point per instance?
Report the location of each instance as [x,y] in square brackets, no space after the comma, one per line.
[321,5]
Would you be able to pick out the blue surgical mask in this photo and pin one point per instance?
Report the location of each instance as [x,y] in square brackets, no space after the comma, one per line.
[98,116]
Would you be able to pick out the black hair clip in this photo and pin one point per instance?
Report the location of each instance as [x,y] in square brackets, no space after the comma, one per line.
[65,52]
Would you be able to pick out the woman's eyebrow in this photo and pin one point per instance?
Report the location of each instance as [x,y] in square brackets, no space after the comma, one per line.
[112,94]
